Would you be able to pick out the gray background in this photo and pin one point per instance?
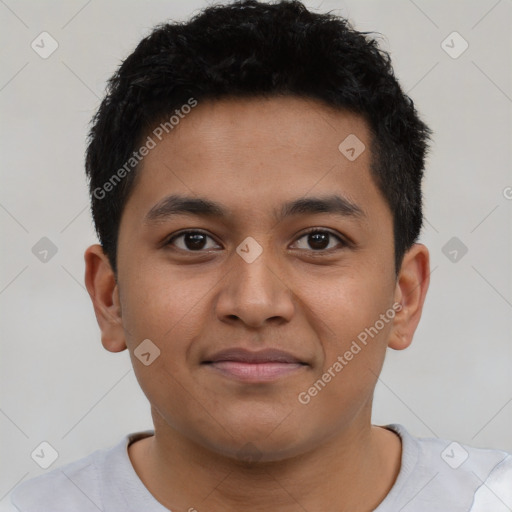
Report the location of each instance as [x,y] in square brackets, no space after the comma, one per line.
[57,382]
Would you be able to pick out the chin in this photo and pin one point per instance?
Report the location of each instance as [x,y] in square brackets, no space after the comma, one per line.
[262,440]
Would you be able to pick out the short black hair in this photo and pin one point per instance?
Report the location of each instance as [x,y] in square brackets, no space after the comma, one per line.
[254,49]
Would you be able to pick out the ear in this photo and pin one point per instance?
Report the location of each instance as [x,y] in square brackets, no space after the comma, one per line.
[101,284]
[411,289]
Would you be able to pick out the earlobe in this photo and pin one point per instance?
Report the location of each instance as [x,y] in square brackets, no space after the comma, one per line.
[100,282]
[411,290]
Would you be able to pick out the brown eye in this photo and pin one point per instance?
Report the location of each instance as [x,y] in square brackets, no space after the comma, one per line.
[191,241]
[319,240]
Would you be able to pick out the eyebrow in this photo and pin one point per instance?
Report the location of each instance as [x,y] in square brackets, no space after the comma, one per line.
[186,205]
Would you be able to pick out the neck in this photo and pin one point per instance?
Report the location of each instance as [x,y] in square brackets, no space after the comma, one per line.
[352,471]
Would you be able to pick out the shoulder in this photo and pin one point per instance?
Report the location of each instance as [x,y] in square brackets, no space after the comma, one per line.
[444,473]
[496,492]
[74,486]
[77,486]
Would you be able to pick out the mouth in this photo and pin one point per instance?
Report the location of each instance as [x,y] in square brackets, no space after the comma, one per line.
[263,366]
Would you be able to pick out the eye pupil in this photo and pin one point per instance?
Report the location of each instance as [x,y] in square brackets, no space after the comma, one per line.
[194,240]
[318,240]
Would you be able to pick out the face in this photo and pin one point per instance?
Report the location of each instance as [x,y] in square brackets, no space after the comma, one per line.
[258,260]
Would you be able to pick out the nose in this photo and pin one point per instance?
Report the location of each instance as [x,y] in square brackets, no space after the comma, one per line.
[255,294]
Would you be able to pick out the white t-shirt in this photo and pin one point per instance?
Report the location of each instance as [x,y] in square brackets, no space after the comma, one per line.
[435,476]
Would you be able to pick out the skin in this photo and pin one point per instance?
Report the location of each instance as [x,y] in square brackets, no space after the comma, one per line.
[252,156]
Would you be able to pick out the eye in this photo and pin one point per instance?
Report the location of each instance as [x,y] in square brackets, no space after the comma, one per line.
[192,241]
[320,240]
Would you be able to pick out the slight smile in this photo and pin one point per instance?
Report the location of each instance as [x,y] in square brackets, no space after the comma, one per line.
[263,366]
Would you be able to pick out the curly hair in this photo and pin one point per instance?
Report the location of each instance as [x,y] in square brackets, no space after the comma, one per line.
[255,49]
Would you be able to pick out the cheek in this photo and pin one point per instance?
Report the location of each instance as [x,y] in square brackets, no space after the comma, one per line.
[354,346]
[347,313]
[161,305]
[170,311]
[347,302]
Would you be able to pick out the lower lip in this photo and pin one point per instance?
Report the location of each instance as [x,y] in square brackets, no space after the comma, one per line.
[255,372]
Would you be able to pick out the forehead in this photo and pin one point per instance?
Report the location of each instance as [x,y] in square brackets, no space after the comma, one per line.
[287,127]
[259,153]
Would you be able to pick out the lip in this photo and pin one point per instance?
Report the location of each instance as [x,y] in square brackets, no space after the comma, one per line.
[262,366]
[241,355]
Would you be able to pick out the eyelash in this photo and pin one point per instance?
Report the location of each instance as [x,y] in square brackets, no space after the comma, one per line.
[342,241]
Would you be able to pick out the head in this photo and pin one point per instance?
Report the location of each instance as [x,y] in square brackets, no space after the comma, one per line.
[281,139]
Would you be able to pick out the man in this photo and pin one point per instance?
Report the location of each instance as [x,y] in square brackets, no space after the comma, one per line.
[255,179]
